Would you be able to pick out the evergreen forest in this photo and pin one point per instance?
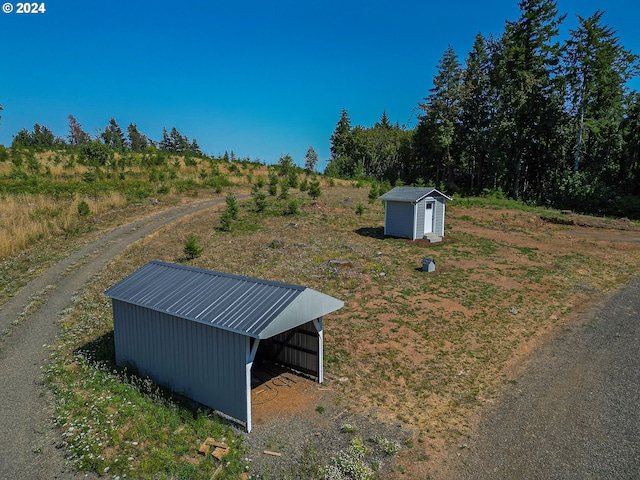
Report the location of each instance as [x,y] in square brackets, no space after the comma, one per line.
[523,115]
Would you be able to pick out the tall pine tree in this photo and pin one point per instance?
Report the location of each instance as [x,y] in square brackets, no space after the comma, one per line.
[440,121]
[529,106]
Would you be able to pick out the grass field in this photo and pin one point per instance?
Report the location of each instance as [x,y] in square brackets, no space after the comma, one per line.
[427,351]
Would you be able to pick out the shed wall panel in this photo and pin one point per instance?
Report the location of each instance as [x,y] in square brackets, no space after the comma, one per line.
[420,217]
[204,363]
[297,348]
[438,216]
[399,219]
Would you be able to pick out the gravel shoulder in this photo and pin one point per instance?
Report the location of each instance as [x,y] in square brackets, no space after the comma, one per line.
[575,411]
[30,447]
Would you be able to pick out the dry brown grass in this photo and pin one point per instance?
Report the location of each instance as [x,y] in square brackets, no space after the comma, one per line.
[25,219]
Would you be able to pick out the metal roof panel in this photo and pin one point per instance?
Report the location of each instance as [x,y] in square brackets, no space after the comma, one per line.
[411,194]
[241,304]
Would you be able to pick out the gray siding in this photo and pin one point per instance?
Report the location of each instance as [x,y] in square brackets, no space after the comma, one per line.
[420,216]
[204,363]
[297,348]
[398,219]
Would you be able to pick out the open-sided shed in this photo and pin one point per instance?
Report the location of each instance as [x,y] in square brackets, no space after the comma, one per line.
[414,212]
[198,331]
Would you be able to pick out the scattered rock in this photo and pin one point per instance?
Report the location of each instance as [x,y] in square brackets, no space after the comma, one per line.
[513,310]
[276,243]
[348,200]
[341,263]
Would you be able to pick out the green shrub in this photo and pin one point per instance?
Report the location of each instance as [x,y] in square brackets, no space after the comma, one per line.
[374,193]
[232,206]
[260,201]
[225,222]
[293,179]
[192,247]
[292,208]
[314,189]
[83,209]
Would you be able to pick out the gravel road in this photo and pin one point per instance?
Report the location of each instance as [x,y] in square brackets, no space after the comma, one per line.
[574,413]
[29,444]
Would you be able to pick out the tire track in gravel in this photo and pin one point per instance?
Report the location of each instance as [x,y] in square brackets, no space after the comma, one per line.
[30,446]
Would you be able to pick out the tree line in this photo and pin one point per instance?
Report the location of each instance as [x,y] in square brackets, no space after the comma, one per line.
[112,136]
[112,139]
[525,115]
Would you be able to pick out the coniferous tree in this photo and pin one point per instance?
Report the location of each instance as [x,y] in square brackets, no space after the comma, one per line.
[630,157]
[339,163]
[179,142]
[194,148]
[597,69]
[113,136]
[475,135]
[166,143]
[529,108]
[136,140]
[310,160]
[76,135]
[440,119]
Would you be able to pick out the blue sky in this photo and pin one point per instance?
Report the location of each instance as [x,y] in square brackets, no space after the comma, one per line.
[259,78]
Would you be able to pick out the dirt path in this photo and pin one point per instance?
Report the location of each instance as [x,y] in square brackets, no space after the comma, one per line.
[30,447]
[574,413]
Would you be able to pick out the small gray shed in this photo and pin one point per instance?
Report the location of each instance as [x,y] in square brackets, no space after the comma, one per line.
[198,331]
[414,212]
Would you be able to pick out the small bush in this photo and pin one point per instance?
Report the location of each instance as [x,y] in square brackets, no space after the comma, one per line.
[293,179]
[260,202]
[374,193]
[225,221]
[273,184]
[83,209]
[359,209]
[232,206]
[284,190]
[314,189]
[192,248]
[292,208]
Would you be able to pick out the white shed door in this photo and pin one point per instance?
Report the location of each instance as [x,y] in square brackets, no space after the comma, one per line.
[428,217]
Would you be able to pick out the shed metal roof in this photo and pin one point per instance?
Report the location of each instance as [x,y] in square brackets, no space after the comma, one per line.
[411,194]
[245,305]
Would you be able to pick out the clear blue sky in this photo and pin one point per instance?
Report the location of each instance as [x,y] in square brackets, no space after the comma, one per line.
[261,78]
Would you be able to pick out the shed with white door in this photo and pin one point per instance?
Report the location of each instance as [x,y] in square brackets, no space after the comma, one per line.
[198,332]
[414,213]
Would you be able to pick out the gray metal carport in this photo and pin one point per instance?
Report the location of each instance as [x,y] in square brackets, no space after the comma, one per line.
[197,331]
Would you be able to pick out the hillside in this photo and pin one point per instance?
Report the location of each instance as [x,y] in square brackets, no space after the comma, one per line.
[412,353]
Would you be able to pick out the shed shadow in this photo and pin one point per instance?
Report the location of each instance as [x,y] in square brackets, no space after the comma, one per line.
[101,354]
[99,351]
[372,232]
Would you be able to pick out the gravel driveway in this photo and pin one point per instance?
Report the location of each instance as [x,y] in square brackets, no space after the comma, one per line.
[29,444]
[575,411]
